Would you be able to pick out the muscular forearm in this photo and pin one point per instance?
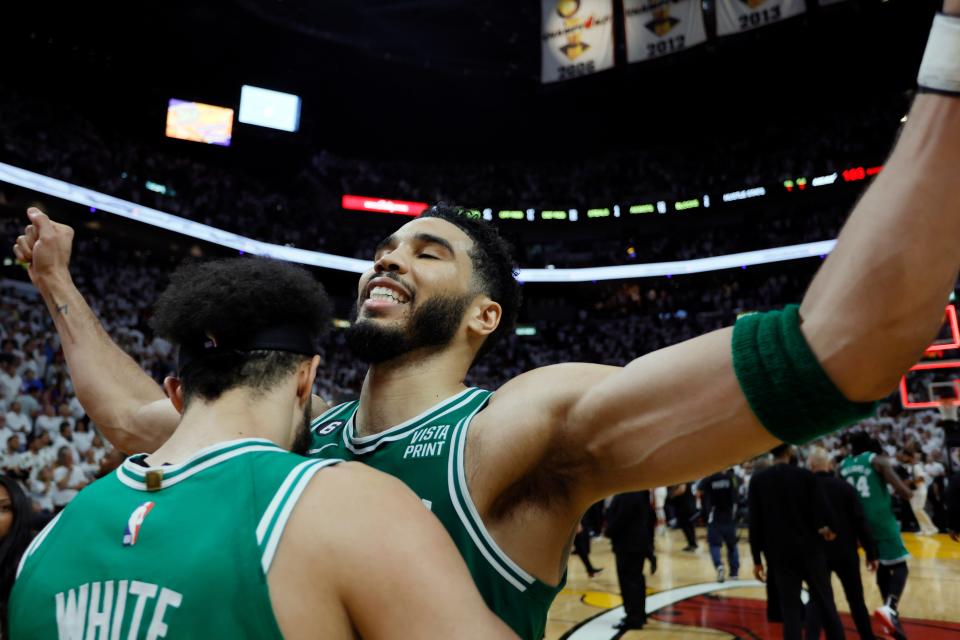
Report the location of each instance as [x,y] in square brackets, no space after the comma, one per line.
[110,385]
[878,300]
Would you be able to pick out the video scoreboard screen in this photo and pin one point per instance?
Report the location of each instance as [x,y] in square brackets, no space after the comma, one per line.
[199,122]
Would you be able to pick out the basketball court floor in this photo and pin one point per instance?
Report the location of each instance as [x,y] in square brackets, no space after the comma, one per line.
[685,601]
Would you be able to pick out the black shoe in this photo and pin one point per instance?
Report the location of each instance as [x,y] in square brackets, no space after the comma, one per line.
[625,624]
[653,565]
[594,572]
[690,548]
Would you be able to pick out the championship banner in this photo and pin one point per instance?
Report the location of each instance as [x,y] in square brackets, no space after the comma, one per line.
[577,38]
[660,27]
[734,16]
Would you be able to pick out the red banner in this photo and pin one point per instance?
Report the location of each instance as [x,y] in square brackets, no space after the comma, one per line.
[382,205]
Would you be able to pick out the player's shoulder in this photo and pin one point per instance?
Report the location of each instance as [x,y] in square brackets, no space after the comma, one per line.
[345,487]
[349,503]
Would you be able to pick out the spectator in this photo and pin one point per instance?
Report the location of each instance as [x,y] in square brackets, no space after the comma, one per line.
[630,524]
[30,402]
[10,381]
[41,491]
[684,505]
[49,421]
[788,532]
[11,456]
[17,421]
[40,453]
[64,438]
[842,558]
[953,506]
[918,502]
[65,414]
[15,534]
[68,477]
[83,436]
[719,496]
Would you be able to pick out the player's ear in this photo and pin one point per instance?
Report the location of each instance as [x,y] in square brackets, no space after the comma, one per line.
[306,374]
[485,316]
[174,391]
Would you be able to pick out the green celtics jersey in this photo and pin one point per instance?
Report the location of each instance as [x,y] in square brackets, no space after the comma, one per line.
[427,453]
[178,551]
[858,470]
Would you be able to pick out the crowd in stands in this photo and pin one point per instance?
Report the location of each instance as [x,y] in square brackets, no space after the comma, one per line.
[50,445]
[55,140]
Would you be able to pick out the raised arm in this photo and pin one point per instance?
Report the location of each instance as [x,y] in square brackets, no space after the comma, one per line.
[124,402]
[681,412]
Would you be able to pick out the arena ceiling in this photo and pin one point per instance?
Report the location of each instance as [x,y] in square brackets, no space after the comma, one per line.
[408,77]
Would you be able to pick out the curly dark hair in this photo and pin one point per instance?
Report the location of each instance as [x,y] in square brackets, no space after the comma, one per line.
[232,299]
[862,442]
[494,268]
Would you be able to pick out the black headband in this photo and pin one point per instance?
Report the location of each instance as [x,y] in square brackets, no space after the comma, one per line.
[287,337]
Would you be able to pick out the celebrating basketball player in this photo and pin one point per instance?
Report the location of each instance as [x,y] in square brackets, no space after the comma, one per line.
[222,532]
[510,474]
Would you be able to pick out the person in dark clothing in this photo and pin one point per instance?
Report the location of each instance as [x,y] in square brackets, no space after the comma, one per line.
[630,523]
[719,499]
[773,598]
[581,546]
[685,510]
[953,506]
[788,516]
[851,527]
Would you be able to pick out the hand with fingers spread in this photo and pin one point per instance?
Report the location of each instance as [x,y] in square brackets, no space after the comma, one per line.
[45,246]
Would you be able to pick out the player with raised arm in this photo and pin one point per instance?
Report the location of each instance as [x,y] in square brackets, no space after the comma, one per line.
[222,532]
[509,474]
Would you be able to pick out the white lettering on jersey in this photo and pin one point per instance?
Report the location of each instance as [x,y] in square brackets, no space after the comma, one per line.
[427,442]
[72,615]
[82,614]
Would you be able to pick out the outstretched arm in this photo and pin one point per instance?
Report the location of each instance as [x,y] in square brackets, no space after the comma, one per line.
[124,402]
[680,412]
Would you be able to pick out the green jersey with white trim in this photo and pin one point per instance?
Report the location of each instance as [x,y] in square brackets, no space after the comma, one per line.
[426,453]
[858,471]
[179,550]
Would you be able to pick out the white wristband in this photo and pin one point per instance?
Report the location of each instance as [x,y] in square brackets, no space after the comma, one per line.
[940,69]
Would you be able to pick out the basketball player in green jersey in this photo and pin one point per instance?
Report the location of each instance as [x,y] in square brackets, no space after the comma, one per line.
[222,532]
[510,474]
[869,471]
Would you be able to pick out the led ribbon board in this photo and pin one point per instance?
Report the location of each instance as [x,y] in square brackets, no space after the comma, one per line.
[132,211]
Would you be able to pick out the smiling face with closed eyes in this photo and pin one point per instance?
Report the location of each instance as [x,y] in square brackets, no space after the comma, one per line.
[417,293]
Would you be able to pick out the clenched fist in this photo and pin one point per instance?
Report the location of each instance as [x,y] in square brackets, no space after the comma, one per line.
[45,246]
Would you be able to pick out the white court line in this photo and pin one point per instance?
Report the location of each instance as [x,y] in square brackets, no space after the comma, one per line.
[603,627]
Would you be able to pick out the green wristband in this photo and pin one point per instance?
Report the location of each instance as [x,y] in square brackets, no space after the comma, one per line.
[783,381]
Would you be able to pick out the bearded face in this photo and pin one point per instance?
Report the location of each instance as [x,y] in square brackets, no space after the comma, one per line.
[432,324]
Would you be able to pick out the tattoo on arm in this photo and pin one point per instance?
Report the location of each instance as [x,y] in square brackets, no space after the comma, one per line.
[62,309]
